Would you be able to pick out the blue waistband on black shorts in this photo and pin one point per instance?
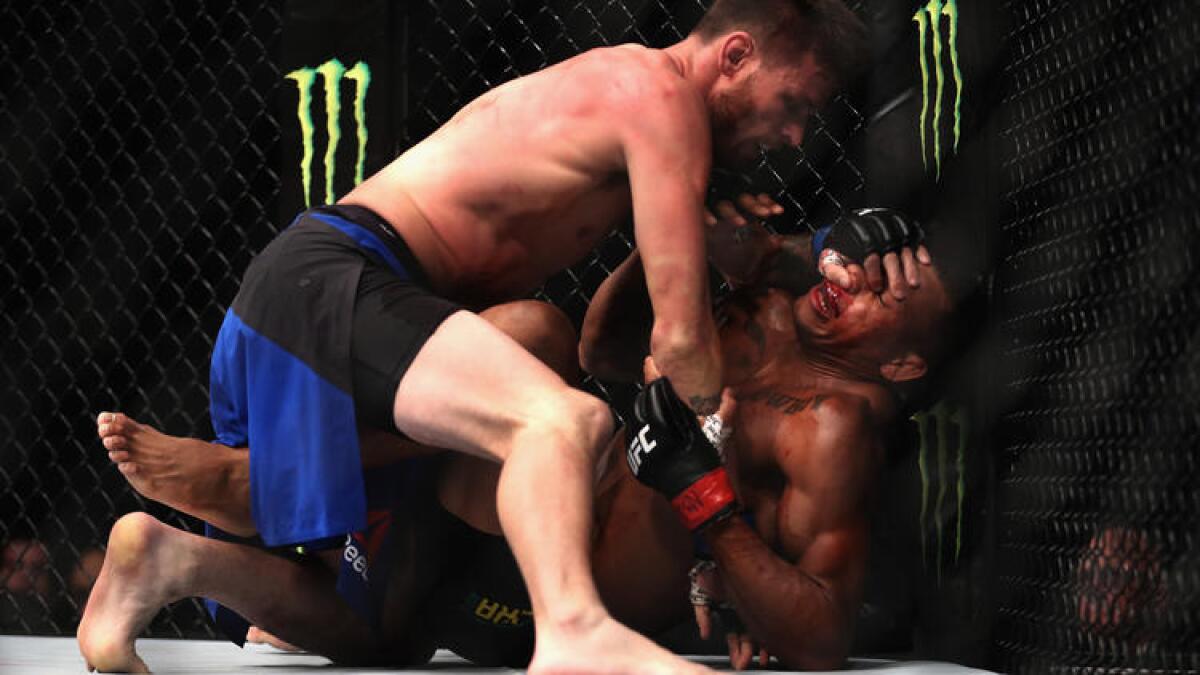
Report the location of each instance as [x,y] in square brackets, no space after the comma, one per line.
[375,234]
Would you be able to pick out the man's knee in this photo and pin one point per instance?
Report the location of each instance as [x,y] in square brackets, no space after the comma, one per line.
[543,330]
[576,419]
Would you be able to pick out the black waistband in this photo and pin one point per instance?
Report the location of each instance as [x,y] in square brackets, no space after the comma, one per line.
[386,233]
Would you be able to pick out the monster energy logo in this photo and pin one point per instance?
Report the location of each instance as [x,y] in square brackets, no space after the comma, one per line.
[930,17]
[943,419]
[332,73]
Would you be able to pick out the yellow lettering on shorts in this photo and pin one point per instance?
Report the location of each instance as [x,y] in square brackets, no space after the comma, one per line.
[486,610]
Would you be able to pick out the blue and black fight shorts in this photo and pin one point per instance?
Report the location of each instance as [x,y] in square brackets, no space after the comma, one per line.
[329,317]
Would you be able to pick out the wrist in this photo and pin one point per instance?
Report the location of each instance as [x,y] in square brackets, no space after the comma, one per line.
[719,527]
[717,432]
[818,241]
[707,501]
[705,406]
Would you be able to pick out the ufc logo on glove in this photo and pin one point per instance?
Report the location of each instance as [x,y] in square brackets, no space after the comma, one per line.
[639,448]
[686,469]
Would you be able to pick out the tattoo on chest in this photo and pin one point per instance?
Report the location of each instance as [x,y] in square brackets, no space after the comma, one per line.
[784,403]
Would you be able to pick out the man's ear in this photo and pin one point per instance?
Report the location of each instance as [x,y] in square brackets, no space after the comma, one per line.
[737,48]
[904,368]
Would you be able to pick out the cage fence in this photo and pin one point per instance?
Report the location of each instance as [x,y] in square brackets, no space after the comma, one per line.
[139,149]
[1098,301]
[138,162]
[140,171]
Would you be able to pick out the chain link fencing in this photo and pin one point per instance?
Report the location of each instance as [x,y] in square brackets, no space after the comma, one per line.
[1099,305]
[140,169]
[139,173]
[137,178]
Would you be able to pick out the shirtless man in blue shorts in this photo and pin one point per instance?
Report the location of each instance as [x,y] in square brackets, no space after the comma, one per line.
[359,314]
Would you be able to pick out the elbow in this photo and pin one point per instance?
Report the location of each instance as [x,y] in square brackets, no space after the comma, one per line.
[599,364]
[591,355]
[823,649]
[610,360]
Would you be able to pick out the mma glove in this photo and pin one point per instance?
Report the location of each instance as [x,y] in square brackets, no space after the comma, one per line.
[866,231]
[671,454]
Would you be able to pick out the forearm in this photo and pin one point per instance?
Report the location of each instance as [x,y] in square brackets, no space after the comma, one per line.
[684,340]
[687,352]
[802,621]
[790,266]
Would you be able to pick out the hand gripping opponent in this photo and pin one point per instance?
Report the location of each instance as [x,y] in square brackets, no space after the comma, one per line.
[867,231]
[670,453]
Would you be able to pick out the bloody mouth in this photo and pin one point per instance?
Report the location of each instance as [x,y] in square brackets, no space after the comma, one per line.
[824,298]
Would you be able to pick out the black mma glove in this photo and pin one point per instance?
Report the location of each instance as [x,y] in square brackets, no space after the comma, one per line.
[867,231]
[670,453]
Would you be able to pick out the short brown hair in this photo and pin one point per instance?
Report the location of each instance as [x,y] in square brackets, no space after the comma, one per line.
[787,28]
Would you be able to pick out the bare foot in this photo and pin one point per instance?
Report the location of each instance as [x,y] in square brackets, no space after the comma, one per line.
[259,636]
[142,570]
[207,480]
[606,647]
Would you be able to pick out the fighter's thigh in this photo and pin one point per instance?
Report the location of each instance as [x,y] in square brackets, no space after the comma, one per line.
[393,319]
[472,388]
[541,329]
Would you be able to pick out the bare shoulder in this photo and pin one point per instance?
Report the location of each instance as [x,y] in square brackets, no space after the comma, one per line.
[633,70]
[842,416]
[835,444]
[639,84]
[829,474]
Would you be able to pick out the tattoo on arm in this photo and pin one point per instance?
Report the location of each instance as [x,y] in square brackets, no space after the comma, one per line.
[705,405]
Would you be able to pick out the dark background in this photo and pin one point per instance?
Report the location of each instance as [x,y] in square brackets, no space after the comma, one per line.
[148,150]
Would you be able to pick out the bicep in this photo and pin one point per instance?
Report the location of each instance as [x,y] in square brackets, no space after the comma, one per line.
[831,485]
[837,559]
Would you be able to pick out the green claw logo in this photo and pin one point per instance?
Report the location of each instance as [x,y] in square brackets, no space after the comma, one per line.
[944,419]
[930,17]
[332,73]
